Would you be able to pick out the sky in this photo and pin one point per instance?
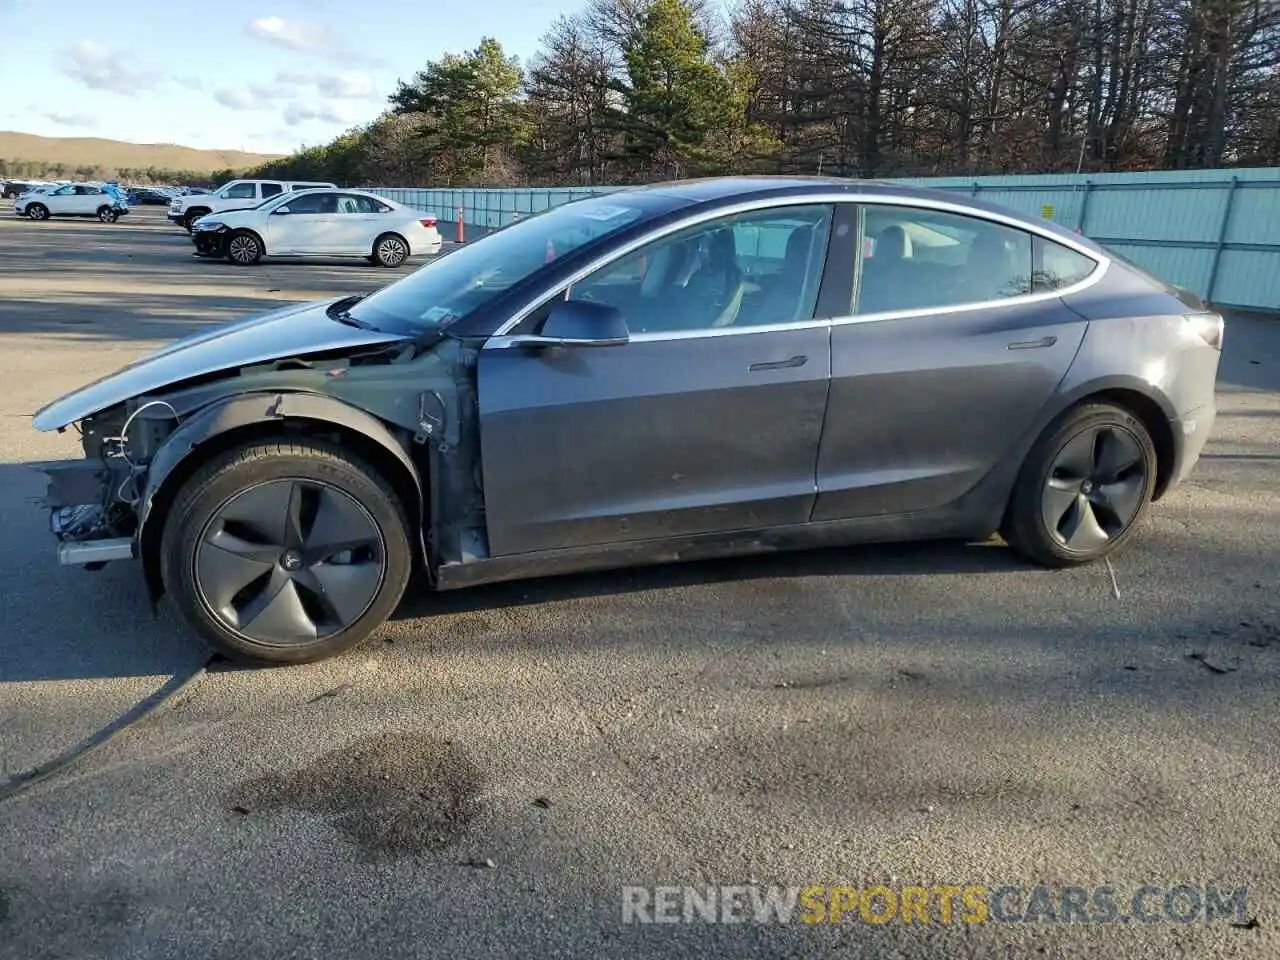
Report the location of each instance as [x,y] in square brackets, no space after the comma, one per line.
[266,76]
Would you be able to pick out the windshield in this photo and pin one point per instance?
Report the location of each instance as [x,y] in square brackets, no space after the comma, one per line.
[447,289]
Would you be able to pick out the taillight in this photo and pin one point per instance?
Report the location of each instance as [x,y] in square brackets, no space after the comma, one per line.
[428,221]
[1209,326]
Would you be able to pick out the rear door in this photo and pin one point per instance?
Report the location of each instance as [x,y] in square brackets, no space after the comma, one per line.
[357,223]
[88,199]
[955,342]
[707,421]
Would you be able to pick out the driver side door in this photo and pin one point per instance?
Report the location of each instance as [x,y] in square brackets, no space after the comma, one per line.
[706,421]
[304,225]
[61,201]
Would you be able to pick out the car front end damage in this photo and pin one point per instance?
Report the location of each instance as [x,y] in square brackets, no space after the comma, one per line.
[210,241]
[93,502]
[408,407]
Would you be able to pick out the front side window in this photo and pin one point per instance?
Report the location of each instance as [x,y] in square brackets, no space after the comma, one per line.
[64,192]
[917,258]
[239,191]
[314,203]
[743,271]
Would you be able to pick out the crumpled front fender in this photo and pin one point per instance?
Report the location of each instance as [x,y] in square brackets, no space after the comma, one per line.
[248,409]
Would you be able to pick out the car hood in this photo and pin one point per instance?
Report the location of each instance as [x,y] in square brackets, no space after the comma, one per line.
[293,331]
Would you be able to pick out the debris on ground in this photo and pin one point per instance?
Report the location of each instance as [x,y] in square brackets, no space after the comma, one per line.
[1212,664]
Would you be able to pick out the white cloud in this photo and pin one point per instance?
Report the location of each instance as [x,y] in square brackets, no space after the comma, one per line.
[237,98]
[297,113]
[347,86]
[292,34]
[72,119]
[101,68]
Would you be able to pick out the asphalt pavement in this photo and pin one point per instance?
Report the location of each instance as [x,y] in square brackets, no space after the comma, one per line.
[487,775]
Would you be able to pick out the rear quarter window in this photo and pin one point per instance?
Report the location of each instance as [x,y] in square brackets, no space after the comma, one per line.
[1057,266]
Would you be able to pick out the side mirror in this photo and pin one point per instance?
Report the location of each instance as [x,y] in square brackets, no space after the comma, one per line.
[279,211]
[579,323]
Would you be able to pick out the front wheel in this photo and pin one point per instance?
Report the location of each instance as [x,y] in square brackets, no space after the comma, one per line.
[107,215]
[243,248]
[286,551]
[1085,486]
[38,211]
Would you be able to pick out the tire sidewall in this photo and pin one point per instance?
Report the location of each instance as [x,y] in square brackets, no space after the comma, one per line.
[213,485]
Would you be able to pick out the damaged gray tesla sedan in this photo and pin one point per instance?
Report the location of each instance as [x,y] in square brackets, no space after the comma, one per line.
[683,370]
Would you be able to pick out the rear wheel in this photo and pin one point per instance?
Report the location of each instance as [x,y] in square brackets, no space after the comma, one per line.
[37,211]
[390,250]
[243,248]
[286,552]
[1084,488]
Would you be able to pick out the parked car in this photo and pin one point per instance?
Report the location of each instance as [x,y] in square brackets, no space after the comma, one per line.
[103,201]
[185,210]
[333,223]
[685,370]
[150,196]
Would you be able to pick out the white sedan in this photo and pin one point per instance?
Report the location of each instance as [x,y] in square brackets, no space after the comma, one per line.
[319,223]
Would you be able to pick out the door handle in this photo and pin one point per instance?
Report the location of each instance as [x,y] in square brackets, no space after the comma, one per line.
[796,361]
[1033,344]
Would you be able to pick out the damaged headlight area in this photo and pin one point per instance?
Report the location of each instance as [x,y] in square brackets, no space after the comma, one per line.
[93,502]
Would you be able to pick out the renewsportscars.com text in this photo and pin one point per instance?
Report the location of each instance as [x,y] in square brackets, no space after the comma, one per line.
[940,904]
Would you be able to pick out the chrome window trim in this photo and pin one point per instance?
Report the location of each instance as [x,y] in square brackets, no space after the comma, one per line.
[499,339]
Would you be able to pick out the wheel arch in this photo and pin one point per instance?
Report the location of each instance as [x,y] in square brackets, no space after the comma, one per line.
[1138,397]
[247,417]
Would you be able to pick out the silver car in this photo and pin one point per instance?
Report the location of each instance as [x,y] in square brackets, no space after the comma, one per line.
[685,370]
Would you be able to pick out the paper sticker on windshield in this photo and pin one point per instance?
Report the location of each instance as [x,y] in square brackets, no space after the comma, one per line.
[437,315]
[605,213]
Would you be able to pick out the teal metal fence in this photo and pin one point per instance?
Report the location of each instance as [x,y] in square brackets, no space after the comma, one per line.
[1216,232]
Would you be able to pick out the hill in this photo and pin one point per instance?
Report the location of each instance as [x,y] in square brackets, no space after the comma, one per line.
[112,157]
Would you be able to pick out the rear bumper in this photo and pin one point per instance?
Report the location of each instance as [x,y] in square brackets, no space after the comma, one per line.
[1190,434]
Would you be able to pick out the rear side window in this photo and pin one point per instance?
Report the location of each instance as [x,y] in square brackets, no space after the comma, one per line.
[916,258]
[1057,266]
[271,189]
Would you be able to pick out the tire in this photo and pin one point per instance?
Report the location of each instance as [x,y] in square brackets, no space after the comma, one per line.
[107,215]
[390,250]
[244,249]
[1084,489]
[37,211]
[290,616]
[189,221]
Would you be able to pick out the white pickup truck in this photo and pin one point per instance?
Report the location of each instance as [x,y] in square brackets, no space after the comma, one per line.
[236,195]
